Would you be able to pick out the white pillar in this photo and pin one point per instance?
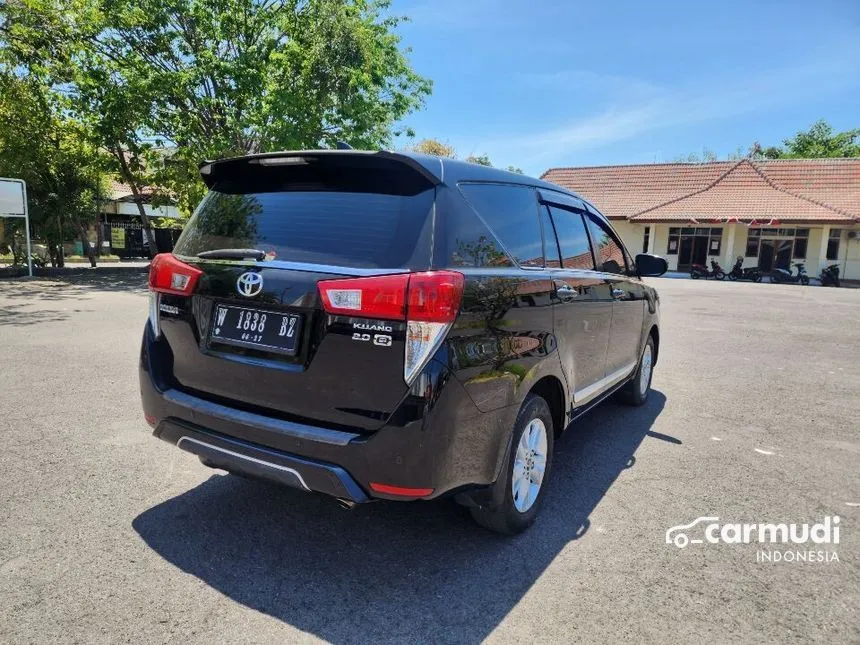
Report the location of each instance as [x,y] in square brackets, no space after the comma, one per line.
[729,247]
[652,236]
[822,251]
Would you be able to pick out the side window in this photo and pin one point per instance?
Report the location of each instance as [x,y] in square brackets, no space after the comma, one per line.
[572,239]
[607,249]
[511,213]
[550,242]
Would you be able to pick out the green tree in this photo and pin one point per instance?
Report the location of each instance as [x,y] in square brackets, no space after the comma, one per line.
[214,78]
[65,174]
[819,141]
[481,160]
[435,148]
[515,169]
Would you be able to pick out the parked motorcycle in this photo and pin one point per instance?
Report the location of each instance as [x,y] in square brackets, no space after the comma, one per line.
[783,276]
[739,273]
[701,271]
[830,276]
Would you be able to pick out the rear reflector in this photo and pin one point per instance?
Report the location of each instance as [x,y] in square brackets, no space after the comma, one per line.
[400,491]
[150,419]
[167,274]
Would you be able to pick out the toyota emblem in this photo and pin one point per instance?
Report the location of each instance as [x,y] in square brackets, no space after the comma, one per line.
[249,284]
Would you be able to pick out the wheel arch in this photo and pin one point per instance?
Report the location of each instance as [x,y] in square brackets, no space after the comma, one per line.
[654,333]
[551,389]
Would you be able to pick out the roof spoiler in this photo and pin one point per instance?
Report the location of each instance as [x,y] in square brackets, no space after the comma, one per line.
[212,171]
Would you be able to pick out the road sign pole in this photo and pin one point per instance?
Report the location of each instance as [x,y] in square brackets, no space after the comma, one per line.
[27,229]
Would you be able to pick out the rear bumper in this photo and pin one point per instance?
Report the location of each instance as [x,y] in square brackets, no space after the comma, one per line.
[450,446]
[240,456]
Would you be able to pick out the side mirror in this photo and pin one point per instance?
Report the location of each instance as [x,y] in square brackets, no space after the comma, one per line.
[650,265]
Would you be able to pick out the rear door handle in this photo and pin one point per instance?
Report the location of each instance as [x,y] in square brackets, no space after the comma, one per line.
[618,293]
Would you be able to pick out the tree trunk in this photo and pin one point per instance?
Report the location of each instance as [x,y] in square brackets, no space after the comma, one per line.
[129,178]
[100,235]
[85,241]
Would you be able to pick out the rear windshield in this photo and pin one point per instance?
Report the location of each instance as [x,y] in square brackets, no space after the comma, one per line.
[357,229]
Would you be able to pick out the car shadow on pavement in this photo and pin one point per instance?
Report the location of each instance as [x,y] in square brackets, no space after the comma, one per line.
[389,571]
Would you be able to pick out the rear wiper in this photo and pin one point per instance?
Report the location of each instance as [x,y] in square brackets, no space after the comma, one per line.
[232,254]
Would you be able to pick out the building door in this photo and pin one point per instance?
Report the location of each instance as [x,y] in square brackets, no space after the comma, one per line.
[694,245]
[782,254]
[766,254]
[685,254]
[700,249]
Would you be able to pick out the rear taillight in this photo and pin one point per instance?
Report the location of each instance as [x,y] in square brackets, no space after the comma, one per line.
[427,301]
[382,297]
[168,274]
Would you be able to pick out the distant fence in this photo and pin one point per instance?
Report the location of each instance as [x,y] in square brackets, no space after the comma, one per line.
[127,239]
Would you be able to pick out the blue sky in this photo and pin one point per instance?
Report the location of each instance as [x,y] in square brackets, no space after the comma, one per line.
[546,83]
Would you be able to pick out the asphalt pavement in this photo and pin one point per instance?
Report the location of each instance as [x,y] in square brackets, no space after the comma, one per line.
[108,535]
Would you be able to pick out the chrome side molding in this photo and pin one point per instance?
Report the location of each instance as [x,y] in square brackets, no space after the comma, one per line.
[601,386]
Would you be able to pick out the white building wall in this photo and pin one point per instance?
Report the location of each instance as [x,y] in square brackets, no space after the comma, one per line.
[734,243]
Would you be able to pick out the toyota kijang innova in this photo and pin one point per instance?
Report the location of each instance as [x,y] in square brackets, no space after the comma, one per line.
[377,325]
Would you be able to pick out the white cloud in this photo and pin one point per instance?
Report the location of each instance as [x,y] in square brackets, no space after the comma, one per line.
[628,107]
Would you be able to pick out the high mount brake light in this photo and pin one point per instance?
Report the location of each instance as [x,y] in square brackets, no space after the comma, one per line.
[167,274]
[427,301]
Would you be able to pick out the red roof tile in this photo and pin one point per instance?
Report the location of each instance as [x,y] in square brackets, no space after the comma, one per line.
[790,189]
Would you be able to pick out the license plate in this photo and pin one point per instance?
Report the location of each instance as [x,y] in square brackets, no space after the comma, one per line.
[269,331]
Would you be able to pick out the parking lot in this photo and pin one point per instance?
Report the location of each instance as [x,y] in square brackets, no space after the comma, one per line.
[108,535]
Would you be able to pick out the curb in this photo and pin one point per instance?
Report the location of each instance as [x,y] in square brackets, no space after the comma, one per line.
[55,272]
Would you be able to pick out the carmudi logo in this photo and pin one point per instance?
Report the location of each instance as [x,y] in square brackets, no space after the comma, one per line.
[709,530]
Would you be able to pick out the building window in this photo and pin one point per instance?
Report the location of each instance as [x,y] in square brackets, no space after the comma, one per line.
[646,239]
[833,244]
[753,240]
[674,236]
[801,237]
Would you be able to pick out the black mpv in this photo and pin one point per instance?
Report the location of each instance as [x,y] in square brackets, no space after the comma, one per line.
[377,325]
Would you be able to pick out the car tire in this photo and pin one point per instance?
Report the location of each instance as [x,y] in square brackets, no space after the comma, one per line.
[513,511]
[637,388]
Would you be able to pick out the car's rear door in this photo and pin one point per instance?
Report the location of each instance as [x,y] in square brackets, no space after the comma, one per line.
[628,297]
[254,335]
[582,312]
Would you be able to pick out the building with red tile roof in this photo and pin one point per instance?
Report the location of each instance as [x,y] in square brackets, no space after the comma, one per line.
[772,213]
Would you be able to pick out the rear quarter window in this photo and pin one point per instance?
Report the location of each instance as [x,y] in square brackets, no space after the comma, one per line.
[500,225]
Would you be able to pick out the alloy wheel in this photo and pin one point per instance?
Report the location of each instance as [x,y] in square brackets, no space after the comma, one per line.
[529,465]
[645,370]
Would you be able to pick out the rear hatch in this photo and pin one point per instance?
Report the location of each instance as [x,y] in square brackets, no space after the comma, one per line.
[240,304]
